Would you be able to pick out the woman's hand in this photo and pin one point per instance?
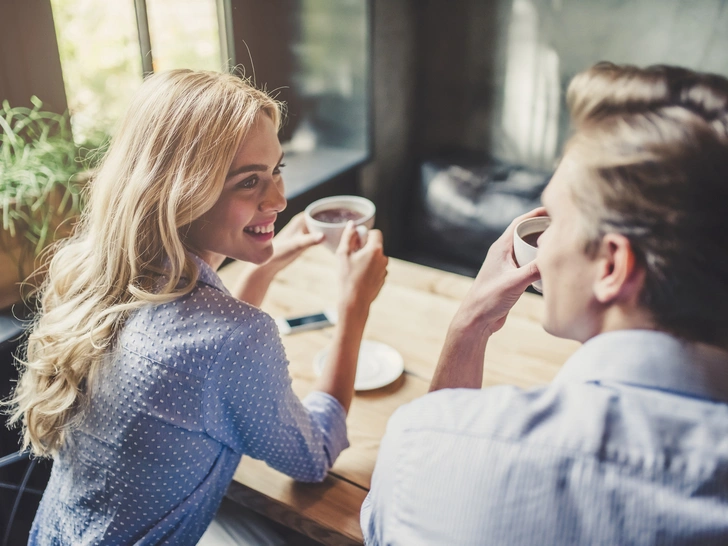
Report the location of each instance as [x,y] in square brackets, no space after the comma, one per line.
[291,242]
[362,268]
[500,282]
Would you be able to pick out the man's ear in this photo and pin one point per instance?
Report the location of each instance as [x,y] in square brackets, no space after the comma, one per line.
[619,277]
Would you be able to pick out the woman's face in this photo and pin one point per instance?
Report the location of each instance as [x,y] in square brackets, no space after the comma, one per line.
[240,224]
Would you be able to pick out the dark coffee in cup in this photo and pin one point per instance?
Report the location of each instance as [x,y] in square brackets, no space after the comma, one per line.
[532,238]
[337,215]
[329,216]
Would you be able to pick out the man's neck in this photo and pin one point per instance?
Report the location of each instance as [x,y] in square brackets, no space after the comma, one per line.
[626,318]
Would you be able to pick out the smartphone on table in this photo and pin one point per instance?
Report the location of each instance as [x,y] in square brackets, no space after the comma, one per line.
[302,323]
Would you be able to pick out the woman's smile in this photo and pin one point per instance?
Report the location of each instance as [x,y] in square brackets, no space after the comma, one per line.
[261,232]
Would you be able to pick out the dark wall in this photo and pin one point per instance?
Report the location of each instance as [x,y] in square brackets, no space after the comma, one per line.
[29,60]
[386,178]
[456,63]
[433,84]
[267,61]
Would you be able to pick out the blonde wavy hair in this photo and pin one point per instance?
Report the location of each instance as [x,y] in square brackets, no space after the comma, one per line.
[165,167]
[655,144]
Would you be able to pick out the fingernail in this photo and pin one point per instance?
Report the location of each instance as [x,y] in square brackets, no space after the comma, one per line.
[319,237]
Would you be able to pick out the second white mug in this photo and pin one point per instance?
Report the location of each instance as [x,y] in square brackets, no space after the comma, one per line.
[524,242]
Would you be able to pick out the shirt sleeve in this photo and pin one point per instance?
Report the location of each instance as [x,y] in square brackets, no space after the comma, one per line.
[249,405]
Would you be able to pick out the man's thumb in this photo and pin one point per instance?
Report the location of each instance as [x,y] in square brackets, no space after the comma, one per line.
[527,274]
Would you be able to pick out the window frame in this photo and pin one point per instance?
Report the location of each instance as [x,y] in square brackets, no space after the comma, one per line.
[223,9]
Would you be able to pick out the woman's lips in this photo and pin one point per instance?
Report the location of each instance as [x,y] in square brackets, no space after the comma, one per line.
[261,232]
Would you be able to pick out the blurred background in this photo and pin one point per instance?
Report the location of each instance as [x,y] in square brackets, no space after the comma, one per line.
[396,95]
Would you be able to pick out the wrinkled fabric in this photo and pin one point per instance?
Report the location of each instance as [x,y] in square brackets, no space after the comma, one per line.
[191,386]
[627,446]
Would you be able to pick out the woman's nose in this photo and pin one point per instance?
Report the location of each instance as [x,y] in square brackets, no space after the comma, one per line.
[274,198]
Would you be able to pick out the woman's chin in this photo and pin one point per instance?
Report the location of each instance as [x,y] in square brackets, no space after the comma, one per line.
[260,257]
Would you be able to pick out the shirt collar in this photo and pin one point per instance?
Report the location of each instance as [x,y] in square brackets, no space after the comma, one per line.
[207,274]
[650,359]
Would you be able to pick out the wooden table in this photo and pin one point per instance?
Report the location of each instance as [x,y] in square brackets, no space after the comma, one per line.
[411,314]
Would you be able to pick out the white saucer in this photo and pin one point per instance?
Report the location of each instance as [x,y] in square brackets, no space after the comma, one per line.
[379,365]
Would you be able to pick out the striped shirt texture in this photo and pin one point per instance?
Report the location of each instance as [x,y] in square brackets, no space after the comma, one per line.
[627,446]
[193,385]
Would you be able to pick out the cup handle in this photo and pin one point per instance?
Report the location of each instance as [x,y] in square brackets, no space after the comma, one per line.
[363,232]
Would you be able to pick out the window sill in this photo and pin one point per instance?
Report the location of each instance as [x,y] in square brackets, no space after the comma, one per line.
[306,170]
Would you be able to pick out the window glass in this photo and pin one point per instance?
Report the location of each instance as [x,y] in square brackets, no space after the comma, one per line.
[330,75]
[544,43]
[184,34]
[100,56]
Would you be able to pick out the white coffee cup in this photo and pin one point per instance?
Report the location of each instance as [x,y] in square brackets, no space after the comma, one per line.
[362,208]
[525,252]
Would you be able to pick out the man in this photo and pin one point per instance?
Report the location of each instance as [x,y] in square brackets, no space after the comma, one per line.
[629,443]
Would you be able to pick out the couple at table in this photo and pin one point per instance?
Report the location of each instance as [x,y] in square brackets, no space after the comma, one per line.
[146,380]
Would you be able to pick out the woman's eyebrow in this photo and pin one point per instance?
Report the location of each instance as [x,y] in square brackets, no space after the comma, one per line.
[251,168]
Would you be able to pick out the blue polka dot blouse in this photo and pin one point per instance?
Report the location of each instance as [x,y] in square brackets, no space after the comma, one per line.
[191,386]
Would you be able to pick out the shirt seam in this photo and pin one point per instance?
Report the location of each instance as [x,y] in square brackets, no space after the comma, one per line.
[566,451]
[166,366]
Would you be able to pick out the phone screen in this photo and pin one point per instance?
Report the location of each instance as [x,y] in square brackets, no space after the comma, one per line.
[308,319]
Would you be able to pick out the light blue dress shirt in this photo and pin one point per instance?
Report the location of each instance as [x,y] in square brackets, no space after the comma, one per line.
[192,385]
[627,446]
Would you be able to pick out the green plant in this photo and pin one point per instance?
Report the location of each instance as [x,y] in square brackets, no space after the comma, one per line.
[39,162]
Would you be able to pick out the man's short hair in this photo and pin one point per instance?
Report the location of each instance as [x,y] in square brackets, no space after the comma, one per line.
[655,141]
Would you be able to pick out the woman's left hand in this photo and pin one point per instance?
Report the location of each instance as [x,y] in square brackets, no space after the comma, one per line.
[291,242]
[288,245]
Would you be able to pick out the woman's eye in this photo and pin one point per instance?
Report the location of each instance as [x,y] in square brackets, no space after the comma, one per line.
[248,183]
[277,170]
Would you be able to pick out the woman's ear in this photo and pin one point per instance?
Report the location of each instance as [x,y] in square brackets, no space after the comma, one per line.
[620,278]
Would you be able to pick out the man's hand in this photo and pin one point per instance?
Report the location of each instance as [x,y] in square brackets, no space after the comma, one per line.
[497,287]
[500,282]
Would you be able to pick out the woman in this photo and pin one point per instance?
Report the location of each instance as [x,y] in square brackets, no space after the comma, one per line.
[145,379]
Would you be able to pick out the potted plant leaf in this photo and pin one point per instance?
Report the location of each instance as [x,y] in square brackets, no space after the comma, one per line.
[42,175]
